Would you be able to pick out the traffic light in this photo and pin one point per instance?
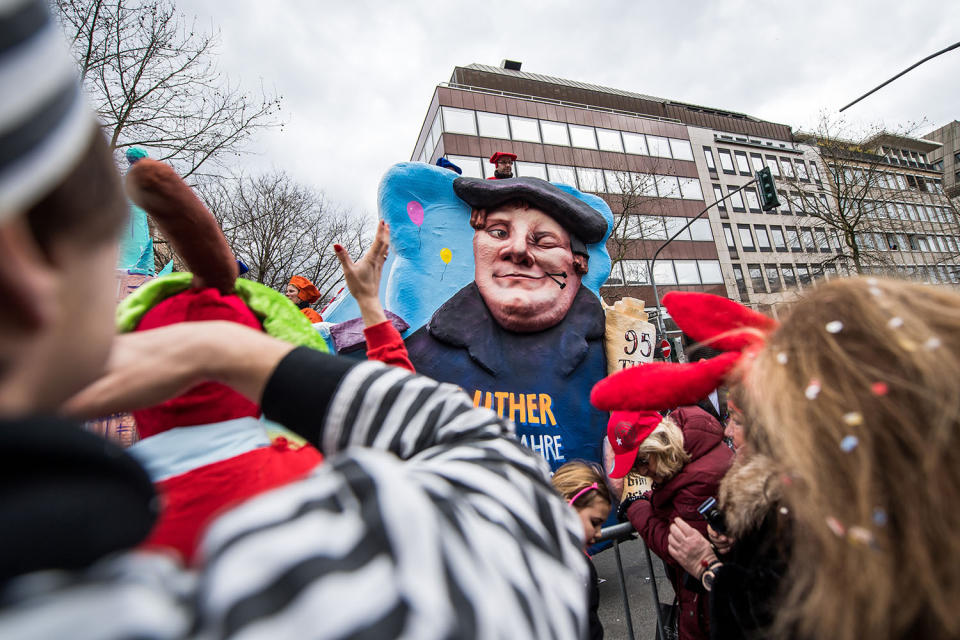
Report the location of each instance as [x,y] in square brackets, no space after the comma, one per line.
[768,191]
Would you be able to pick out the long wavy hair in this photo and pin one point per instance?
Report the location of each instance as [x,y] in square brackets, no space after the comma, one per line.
[857,398]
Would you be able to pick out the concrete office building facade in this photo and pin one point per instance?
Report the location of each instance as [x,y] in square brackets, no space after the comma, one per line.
[946,158]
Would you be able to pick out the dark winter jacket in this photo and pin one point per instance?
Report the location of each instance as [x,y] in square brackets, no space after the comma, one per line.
[679,497]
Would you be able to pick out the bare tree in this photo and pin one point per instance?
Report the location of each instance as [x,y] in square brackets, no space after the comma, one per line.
[868,204]
[153,81]
[279,228]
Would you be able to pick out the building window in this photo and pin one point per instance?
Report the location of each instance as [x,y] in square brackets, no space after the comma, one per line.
[746,240]
[718,195]
[459,121]
[808,241]
[793,240]
[774,167]
[524,129]
[635,143]
[779,243]
[531,170]
[609,140]
[582,137]
[708,158]
[726,161]
[617,181]
[742,163]
[752,200]
[493,125]
[663,272]
[681,149]
[710,272]
[616,276]
[756,278]
[472,167]
[659,147]
[555,133]
[736,200]
[700,230]
[815,171]
[757,161]
[635,272]
[674,225]
[773,277]
[668,186]
[690,189]
[763,240]
[590,180]
[787,167]
[789,278]
[822,243]
[563,175]
[686,271]
[650,227]
[803,274]
[741,283]
[802,170]
[728,235]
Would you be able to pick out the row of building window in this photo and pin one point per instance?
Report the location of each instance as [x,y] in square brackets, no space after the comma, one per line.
[909,211]
[781,239]
[591,180]
[772,278]
[637,272]
[908,242]
[733,162]
[896,181]
[497,125]
[748,200]
[649,227]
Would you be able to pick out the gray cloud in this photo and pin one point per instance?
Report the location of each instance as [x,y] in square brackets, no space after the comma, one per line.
[357,77]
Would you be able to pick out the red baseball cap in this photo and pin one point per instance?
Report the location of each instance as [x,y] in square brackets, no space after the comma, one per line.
[625,431]
[502,154]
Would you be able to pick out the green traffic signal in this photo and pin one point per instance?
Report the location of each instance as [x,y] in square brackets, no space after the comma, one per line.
[768,191]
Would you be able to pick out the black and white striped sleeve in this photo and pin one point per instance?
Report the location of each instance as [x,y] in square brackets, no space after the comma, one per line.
[427,520]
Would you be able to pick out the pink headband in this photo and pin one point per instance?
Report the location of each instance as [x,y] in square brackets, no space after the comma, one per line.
[581,492]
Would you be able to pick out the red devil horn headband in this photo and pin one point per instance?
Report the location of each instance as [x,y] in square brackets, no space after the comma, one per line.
[719,322]
[722,323]
[186,222]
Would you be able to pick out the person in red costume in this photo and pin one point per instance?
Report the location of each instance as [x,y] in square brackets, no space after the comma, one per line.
[363,279]
[207,449]
[303,293]
[503,163]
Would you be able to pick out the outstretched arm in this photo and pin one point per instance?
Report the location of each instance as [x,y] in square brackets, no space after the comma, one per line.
[363,279]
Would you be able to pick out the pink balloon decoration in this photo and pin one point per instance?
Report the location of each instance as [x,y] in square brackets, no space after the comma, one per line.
[415,211]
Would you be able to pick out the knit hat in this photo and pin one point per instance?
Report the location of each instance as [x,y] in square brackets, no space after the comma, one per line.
[45,125]
[626,430]
[308,293]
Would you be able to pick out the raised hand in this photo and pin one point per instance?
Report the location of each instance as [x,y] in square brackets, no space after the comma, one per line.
[363,276]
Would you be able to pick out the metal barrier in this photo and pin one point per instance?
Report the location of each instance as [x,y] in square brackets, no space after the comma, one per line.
[617,534]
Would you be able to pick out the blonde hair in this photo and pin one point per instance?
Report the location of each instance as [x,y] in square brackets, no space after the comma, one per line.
[665,445]
[575,476]
[857,397]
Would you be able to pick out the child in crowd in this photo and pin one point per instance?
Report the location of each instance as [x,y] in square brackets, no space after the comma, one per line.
[583,486]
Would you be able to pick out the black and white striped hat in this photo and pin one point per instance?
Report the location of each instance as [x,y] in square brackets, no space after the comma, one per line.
[44,121]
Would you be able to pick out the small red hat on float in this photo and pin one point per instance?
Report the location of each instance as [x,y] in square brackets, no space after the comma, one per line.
[626,430]
[495,158]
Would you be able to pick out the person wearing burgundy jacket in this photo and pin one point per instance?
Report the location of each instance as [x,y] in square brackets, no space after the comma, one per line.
[685,456]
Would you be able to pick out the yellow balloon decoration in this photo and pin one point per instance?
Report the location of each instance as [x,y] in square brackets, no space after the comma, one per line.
[446,255]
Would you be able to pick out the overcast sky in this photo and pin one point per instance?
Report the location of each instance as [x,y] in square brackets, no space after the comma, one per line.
[356,77]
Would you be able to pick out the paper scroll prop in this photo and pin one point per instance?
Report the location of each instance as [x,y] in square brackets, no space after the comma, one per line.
[629,337]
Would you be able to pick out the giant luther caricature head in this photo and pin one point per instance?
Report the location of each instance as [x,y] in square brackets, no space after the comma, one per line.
[529,248]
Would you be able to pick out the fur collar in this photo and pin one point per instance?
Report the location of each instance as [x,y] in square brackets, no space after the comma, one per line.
[747,493]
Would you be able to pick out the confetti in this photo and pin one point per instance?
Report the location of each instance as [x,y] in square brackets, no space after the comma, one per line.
[784,510]
[812,390]
[860,535]
[875,291]
[895,322]
[836,526]
[879,517]
[834,326]
[782,357]
[879,388]
[933,342]
[853,418]
[872,282]
[849,443]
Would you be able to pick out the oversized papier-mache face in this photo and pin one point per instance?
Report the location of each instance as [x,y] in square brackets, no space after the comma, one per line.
[522,256]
